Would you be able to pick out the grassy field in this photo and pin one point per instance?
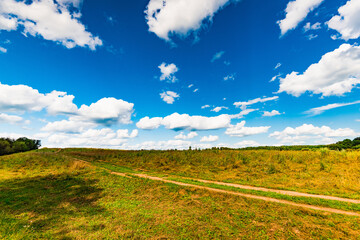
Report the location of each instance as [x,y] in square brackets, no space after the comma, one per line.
[327,172]
[48,194]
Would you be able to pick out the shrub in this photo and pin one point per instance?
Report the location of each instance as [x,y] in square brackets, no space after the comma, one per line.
[9,146]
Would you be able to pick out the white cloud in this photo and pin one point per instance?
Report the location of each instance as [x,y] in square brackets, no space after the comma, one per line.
[311,36]
[191,85]
[210,138]
[161,145]
[190,135]
[271,114]
[180,17]
[296,12]
[169,96]
[218,109]
[347,23]
[309,131]
[177,121]
[320,110]
[45,18]
[277,66]
[3,50]
[245,112]
[246,143]
[12,119]
[196,90]
[13,135]
[337,72]
[275,77]
[168,72]
[17,98]
[75,3]
[243,105]
[239,130]
[105,137]
[217,56]
[68,126]
[205,106]
[230,77]
[315,26]
[147,123]
[106,111]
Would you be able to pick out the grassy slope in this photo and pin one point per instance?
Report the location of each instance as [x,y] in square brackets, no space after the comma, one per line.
[321,172]
[47,195]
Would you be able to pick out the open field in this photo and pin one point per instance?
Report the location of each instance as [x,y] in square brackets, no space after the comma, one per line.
[334,173]
[104,194]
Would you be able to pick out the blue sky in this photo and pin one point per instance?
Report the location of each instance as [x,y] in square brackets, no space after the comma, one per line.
[177,73]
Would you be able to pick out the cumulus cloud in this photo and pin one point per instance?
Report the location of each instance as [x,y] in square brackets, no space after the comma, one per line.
[105,137]
[320,110]
[347,23]
[217,56]
[271,114]
[244,105]
[17,98]
[169,96]
[48,19]
[147,123]
[239,130]
[67,126]
[181,17]
[3,50]
[309,131]
[168,72]
[106,111]
[277,66]
[190,135]
[8,23]
[336,73]
[205,106]
[210,138]
[12,119]
[296,11]
[177,121]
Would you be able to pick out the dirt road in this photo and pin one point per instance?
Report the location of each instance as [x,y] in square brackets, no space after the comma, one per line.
[268,199]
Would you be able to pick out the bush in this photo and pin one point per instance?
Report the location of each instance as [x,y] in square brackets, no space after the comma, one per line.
[9,146]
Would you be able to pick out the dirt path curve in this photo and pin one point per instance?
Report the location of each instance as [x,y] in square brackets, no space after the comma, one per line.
[284,192]
[268,199]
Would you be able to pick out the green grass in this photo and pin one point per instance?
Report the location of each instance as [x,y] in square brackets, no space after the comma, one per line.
[305,200]
[44,195]
[312,201]
[332,173]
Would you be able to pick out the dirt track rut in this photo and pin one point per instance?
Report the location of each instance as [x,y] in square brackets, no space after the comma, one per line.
[268,199]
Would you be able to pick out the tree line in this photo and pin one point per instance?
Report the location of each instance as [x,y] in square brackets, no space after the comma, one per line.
[9,146]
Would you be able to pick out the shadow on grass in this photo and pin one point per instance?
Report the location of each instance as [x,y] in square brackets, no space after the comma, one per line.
[43,205]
